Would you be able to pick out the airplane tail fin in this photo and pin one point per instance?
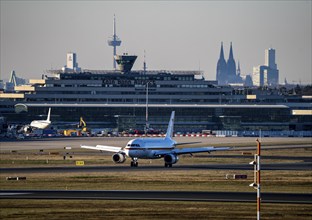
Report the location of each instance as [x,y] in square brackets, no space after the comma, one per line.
[169,133]
[49,113]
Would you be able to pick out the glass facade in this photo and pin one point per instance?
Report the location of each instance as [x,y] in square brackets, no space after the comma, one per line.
[188,118]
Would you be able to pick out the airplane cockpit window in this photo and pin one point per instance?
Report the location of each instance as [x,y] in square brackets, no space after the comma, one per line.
[134,145]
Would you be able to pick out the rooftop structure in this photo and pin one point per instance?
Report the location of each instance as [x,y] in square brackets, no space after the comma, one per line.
[16,80]
[13,82]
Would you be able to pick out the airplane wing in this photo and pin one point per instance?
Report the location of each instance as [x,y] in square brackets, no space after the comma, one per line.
[185,143]
[179,151]
[102,148]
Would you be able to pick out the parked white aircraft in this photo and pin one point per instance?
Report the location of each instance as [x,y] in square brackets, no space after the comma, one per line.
[153,148]
[41,124]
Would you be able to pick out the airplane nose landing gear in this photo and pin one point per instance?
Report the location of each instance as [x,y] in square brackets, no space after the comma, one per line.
[168,165]
[134,162]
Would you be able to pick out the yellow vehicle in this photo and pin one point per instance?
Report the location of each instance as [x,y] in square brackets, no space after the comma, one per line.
[72,132]
[82,125]
[82,129]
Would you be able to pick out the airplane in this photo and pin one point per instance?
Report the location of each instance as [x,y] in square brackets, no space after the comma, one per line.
[41,124]
[153,148]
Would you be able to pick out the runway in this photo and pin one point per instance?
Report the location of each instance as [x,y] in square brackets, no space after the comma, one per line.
[148,168]
[157,195]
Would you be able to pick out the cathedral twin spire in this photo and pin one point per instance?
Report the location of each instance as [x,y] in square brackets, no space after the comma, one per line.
[221,68]
[226,71]
[221,52]
[231,66]
[231,53]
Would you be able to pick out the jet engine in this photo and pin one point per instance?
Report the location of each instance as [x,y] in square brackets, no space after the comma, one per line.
[119,158]
[171,159]
[26,129]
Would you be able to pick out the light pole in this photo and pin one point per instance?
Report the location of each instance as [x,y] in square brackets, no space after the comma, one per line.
[117,117]
[257,182]
[146,110]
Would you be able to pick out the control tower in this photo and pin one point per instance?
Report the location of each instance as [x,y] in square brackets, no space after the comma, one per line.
[114,42]
[125,62]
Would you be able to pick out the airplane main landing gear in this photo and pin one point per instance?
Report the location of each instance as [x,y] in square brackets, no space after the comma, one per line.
[134,162]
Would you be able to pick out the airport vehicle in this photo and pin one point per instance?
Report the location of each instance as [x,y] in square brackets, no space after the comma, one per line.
[41,124]
[83,125]
[153,148]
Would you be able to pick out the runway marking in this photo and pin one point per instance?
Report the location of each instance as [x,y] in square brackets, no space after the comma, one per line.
[14,194]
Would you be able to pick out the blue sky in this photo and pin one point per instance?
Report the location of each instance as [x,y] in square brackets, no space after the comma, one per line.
[176,35]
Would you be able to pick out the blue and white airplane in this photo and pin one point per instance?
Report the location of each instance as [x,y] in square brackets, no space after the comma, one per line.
[153,148]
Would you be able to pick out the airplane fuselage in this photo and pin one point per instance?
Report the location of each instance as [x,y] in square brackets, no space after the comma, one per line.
[146,148]
[40,124]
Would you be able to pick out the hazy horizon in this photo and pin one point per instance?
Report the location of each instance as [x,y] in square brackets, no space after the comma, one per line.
[176,35]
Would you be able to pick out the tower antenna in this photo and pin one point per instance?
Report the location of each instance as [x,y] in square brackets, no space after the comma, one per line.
[144,64]
[114,42]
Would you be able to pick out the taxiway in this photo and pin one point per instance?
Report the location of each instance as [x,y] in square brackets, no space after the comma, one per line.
[148,168]
[157,195]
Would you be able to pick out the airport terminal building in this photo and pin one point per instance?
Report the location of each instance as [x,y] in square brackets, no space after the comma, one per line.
[118,99]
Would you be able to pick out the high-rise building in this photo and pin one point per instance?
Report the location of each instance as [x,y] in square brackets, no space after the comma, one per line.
[269,59]
[71,60]
[260,75]
[273,77]
[221,68]
[267,74]
[71,63]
